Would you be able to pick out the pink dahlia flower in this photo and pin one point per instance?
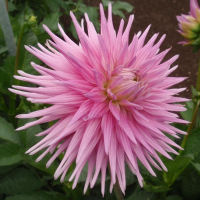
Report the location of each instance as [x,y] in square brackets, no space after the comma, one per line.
[190,25]
[111,100]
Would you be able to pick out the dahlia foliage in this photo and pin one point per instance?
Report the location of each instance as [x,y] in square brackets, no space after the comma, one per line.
[111,100]
[190,25]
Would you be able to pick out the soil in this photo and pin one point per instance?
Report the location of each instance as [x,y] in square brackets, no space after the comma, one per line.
[161,14]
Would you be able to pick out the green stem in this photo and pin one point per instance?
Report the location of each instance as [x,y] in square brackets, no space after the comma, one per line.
[12,99]
[76,9]
[18,48]
[198,79]
[117,191]
[195,112]
[191,124]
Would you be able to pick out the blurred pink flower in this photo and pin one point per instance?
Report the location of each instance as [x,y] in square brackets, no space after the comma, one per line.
[190,25]
[111,100]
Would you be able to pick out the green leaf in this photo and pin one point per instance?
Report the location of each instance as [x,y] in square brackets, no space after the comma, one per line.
[9,154]
[106,2]
[7,168]
[190,186]
[20,180]
[11,6]
[28,135]
[3,50]
[187,115]
[130,177]
[38,195]
[29,139]
[8,65]
[41,165]
[15,25]
[54,5]
[5,82]
[119,12]
[174,197]
[194,91]
[83,175]
[8,133]
[192,145]
[6,75]
[141,195]
[25,58]
[51,21]
[73,31]
[92,13]
[196,166]
[155,188]
[176,167]
[121,5]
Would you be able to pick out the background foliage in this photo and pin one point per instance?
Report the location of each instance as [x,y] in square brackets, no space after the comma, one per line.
[24,179]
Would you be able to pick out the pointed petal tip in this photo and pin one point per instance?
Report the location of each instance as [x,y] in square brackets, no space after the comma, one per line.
[10,89]
[20,128]
[45,26]
[28,151]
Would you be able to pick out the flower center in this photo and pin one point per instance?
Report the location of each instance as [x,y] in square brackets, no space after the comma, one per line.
[122,85]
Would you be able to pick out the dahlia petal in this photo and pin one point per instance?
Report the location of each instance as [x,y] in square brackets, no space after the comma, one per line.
[125,36]
[84,157]
[91,165]
[193,7]
[54,110]
[96,95]
[91,130]
[125,126]
[79,86]
[100,80]
[149,158]
[39,121]
[115,110]
[67,131]
[121,164]
[73,99]
[142,38]
[103,175]
[27,94]
[98,110]
[132,48]
[140,154]
[61,148]
[125,103]
[99,161]
[112,158]
[82,111]
[120,180]
[67,39]
[33,76]
[42,90]
[35,81]
[124,141]
[107,128]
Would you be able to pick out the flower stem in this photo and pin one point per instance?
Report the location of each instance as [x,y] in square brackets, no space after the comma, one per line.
[195,111]
[117,191]
[198,79]
[191,125]
[12,99]
[18,48]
